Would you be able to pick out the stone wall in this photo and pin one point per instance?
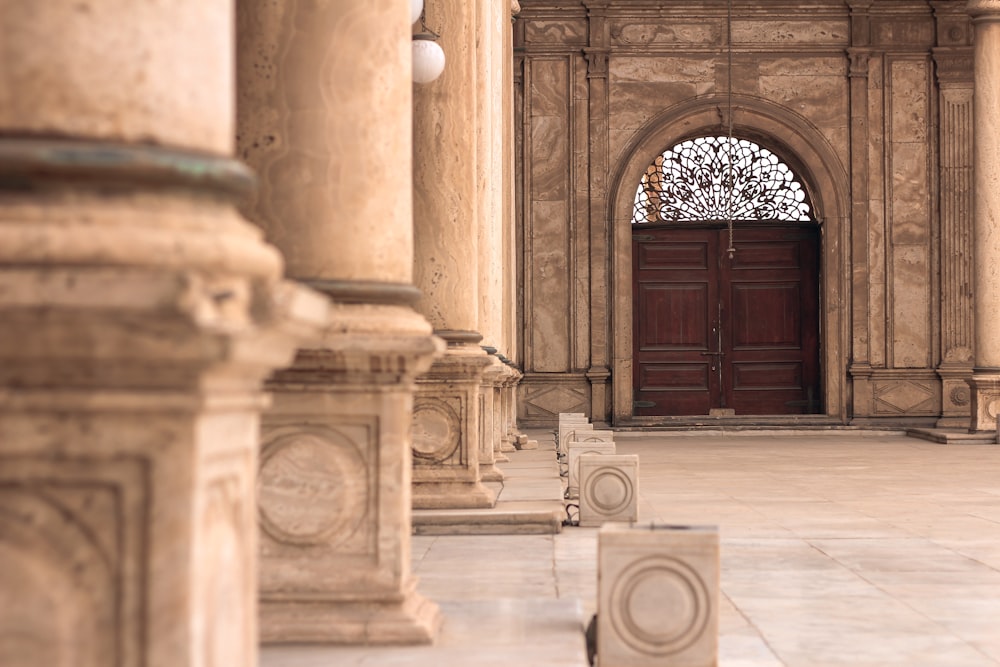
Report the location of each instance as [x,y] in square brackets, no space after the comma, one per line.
[852,96]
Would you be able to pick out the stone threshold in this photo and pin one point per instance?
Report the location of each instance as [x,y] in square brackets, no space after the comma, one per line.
[733,422]
[953,437]
[487,522]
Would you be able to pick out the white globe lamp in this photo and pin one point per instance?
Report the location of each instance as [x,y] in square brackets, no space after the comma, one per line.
[428,58]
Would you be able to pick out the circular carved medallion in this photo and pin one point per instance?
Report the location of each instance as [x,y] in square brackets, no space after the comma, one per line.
[960,395]
[659,606]
[312,486]
[435,433]
[608,490]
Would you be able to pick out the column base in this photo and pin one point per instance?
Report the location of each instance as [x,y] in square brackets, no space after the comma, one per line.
[334,484]
[412,619]
[447,432]
[453,495]
[488,472]
[985,389]
[955,396]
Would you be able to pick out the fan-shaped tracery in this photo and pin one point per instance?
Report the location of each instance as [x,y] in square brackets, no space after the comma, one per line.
[718,178]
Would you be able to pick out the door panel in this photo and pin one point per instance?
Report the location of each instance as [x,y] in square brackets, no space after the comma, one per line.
[714,332]
[674,327]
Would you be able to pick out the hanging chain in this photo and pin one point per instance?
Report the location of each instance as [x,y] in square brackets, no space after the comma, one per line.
[729,100]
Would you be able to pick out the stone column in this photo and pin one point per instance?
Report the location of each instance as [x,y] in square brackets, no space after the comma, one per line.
[325,116]
[509,344]
[489,170]
[859,55]
[597,54]
[953,60]
[446,239]
[490,420]
[985,381]
[140,314]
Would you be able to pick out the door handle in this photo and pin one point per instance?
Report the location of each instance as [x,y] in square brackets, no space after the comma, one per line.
[713,354]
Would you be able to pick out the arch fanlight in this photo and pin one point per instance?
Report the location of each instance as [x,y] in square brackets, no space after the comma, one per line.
[718,178]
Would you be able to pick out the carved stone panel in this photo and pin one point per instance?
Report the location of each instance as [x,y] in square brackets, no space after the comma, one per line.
[437,430]
[72,533]
[314,488]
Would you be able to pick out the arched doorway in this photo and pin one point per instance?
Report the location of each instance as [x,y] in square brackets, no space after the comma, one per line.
[725,274]
[814,160]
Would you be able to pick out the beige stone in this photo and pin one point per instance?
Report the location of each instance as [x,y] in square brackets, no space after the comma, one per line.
[309,77]
[985,381]
[571,431]
[609,488]
[66,89]
[446,432]
[489,419]
[574,451]
[658,596]
[141,315]
[334,483]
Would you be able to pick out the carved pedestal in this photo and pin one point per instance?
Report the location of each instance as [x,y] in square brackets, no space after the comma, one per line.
[446,432]
[334,485]
[508,398]
[137,326]
[985,390]
[489,421]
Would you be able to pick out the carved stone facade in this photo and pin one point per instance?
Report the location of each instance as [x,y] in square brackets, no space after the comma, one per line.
[869,102]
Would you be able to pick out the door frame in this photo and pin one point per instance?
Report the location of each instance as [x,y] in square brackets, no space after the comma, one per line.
[809,154]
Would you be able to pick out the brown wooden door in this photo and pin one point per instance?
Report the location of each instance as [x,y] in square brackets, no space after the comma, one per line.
[714,332]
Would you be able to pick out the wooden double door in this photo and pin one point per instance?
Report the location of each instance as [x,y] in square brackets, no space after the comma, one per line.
[713,332]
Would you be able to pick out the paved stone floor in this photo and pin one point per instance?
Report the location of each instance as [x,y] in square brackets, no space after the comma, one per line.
[849,548]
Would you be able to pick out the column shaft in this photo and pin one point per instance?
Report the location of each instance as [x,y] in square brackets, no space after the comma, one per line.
[953,59]
[985,381]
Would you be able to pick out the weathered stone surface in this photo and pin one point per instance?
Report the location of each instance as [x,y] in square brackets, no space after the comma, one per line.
[986,203]
[609,490]
[658,596]
[334,485]
[334,482]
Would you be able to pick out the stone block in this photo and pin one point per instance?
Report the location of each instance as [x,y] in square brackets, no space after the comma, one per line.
[609,488]
[575,451]
[658,596]
[572,432]
[596,436]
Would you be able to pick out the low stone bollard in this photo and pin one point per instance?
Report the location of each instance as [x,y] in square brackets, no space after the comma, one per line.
[658,596]
[572,432]
[609,488]
[575,451]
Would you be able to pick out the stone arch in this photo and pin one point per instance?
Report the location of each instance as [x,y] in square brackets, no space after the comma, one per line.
[806,151]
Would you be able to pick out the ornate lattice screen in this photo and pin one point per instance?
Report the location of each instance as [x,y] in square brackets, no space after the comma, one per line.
[719,179]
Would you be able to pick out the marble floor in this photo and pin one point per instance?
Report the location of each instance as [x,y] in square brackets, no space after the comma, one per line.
[838,548]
